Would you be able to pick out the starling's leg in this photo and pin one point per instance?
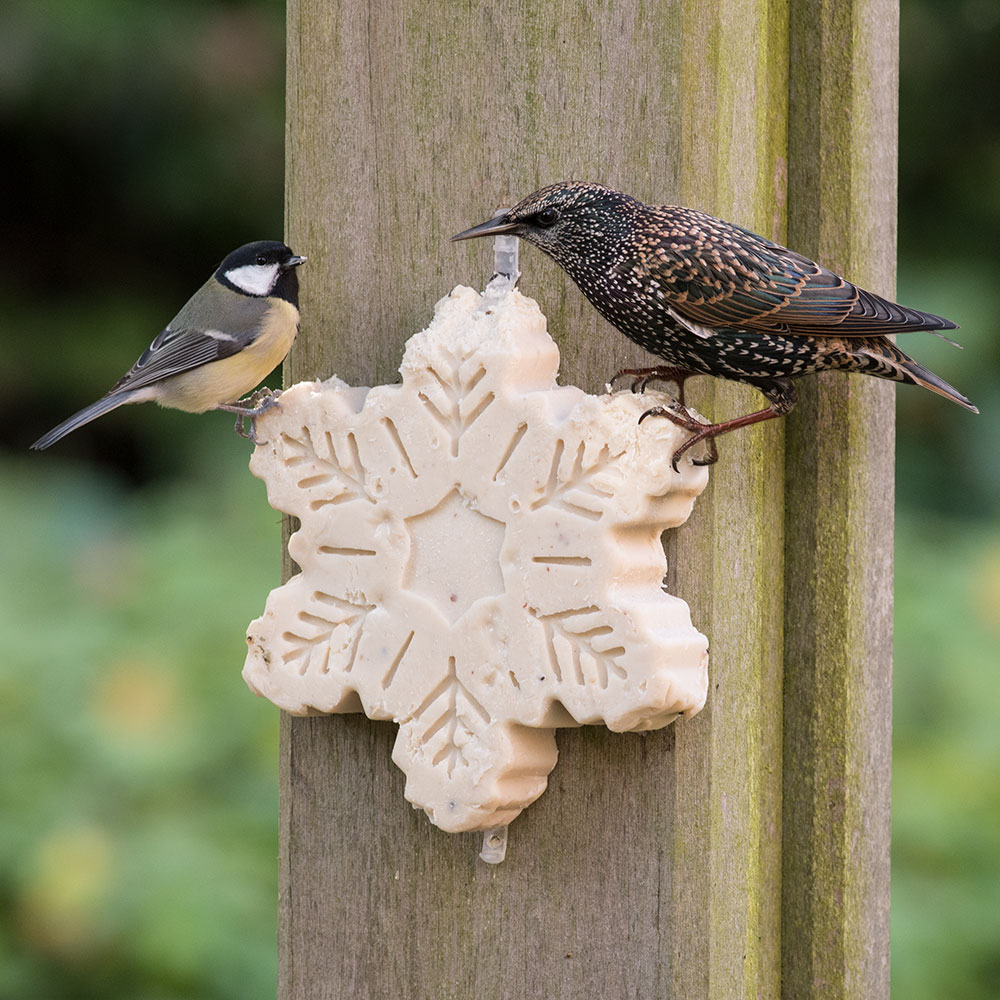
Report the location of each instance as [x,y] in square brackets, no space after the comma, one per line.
[250,409]
[641,377]
[702,431]
[783,399]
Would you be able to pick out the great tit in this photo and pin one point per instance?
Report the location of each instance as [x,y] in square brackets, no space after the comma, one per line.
[232,333]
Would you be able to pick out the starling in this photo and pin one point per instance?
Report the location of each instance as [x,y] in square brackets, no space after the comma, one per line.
[712,298]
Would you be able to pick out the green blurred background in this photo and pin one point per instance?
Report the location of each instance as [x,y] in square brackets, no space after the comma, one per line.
[138,795]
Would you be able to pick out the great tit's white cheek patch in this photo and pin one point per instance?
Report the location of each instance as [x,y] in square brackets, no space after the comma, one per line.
[254,279]
[480,559]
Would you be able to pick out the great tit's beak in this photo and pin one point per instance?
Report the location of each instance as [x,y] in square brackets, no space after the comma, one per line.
[493,227]
[293,262]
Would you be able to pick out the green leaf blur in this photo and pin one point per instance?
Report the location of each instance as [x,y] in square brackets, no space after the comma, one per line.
[138,829]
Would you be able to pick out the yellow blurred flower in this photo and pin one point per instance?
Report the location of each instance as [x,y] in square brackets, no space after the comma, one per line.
[136,700]
[66,888]
[987,588]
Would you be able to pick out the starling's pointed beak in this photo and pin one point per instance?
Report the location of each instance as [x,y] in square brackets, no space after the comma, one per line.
[493,227]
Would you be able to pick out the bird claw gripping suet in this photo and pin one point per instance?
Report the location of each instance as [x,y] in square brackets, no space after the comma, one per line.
[783,399]
[677,413]
[248,410]
[712,298]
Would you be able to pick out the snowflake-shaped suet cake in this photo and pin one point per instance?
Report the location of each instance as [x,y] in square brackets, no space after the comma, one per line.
[480,560]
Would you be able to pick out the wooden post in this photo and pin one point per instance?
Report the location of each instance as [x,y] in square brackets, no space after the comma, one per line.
[654,865]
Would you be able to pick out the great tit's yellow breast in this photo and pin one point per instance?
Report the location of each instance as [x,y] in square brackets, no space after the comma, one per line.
[228,379]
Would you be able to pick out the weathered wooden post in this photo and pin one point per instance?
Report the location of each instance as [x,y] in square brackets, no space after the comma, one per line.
[744,852]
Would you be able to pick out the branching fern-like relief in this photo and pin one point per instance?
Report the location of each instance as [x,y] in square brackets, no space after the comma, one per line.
[450,718]
[582,646]
[329,477]
[318,636]
[452,404]
[567,489]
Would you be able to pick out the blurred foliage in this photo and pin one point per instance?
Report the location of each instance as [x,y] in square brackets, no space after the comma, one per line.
[946,742]
[138,796]
[138,827]
[949,131]
[946,768]
[949,248]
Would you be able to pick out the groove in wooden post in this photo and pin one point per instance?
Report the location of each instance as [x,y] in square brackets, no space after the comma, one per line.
[838,529]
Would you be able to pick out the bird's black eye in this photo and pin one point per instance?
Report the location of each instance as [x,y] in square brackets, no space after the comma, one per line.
[547,217]
[261,258]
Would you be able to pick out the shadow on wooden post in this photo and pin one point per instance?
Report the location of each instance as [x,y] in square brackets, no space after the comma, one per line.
[654,864]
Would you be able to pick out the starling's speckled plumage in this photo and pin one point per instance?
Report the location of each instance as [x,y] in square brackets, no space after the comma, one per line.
[712,298]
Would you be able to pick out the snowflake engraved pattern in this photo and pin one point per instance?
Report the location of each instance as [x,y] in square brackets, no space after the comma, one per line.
[480,560]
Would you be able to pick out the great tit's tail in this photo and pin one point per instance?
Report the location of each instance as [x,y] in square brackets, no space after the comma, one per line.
[84,416]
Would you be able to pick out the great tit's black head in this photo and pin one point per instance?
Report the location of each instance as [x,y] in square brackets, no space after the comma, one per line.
[264,268]
[566,220]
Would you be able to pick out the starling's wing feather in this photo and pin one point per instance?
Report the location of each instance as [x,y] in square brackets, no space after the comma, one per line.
[175,351]
[718,274]
[872,313]
[868,314]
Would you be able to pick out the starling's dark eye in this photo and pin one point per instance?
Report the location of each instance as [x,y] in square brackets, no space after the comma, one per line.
[261,258]
[547,217]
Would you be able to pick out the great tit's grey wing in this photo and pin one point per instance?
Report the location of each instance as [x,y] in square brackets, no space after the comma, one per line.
[214,323]
[179,350]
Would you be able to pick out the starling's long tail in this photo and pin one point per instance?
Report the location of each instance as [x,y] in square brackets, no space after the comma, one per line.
[883,358]
[925,377]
